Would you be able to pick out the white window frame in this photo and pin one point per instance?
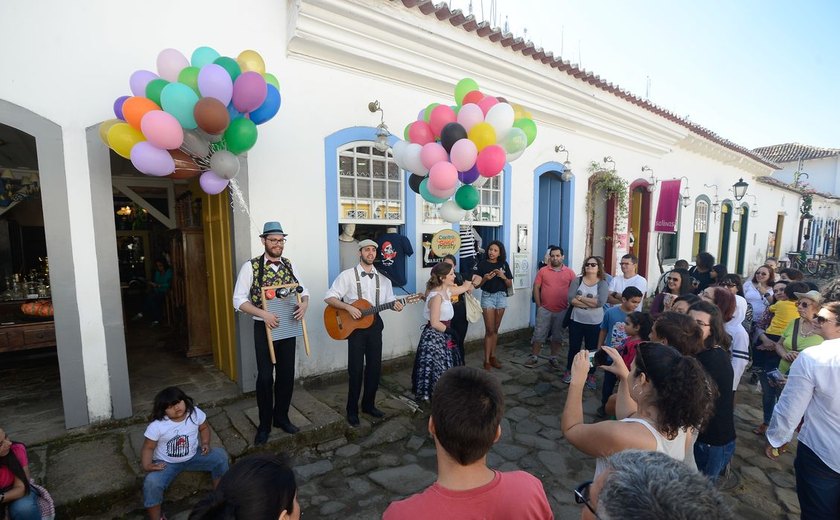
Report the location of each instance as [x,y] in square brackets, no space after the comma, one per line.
[365,210]
[493,185]
[701,217]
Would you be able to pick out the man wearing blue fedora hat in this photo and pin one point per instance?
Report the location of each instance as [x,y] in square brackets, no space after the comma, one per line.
[270,268]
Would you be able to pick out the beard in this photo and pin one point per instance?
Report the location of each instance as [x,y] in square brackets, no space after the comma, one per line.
[365,261]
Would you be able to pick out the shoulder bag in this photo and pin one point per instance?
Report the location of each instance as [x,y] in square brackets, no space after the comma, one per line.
[473,307]
[567,318]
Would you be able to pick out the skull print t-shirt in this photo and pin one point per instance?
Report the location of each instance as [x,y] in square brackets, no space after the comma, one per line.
[176,441]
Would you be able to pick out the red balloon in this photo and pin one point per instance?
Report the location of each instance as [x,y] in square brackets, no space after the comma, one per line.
[420,133]
[490,161]
[473,97]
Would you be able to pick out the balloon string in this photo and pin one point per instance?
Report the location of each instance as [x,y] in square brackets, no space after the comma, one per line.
[237,198]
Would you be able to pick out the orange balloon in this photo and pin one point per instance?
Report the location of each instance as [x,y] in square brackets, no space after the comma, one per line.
[135,108]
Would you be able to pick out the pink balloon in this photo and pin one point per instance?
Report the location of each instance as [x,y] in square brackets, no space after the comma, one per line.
[490,161]
[463,154]
[162,129]
[487,103]
[420,132]
[432,153]
[249,91]
[138,81]
[211,183]
[151,160]
[443,176]
[170,62]
[441,116]
[441,194]
[470,115]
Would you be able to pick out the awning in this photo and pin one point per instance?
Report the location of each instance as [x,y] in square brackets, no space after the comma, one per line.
[669,202]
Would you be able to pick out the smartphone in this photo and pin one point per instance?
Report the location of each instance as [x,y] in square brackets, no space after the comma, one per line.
[600,357]
[592,359]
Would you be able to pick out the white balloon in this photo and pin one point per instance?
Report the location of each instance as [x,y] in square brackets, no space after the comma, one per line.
[451,212]
[500,117]
[411,158]
[480,181]
[224,164]
[398,150]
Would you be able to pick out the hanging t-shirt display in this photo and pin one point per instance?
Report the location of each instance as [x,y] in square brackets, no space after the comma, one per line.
[393,250]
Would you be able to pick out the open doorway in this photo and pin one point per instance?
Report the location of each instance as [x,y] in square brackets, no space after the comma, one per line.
[639,223]
[601,229]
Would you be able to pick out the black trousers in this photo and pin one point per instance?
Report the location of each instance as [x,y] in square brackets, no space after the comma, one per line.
[460,324]
[284,383]
[364,365]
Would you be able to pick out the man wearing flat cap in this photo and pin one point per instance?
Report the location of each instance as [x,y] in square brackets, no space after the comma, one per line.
[364,346]
[270,268]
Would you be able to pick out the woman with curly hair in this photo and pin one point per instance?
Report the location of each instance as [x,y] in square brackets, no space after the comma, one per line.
[662,398]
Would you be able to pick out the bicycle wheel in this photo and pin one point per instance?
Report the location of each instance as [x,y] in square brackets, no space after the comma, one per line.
[812,266]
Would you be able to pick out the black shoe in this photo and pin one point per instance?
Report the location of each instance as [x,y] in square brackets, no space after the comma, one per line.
[353,419]
[374,412]
[287,426]
[261,438]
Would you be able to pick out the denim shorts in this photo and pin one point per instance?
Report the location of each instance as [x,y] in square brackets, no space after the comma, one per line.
[494,300]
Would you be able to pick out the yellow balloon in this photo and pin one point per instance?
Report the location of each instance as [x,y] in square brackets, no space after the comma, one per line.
[482,135]
[122,137]
[251,61]
[518,111]
[104,127]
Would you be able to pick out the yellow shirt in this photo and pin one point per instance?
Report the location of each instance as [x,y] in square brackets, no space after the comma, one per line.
[783,313]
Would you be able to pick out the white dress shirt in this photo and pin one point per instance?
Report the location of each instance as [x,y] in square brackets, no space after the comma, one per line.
[344,287]
[812,389]
[242,289]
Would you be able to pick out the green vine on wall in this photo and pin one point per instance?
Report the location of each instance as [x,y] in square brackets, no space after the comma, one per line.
[612,186]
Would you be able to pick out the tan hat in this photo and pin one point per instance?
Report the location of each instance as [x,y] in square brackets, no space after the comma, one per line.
[367,242]
[811,295]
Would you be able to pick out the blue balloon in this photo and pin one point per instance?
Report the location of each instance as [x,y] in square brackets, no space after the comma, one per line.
[233,112]
[269,107]
[179,100]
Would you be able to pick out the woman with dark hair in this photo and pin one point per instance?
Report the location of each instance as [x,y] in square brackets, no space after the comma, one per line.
[679,331]
[662,397]
[587,297]
[683,302]
[702,270]
[493,276]
[436,352]
[725,300]
[678,282]
[718,271]
[258,487]
[459,321]
[759,290]
[716,443]
[15,492]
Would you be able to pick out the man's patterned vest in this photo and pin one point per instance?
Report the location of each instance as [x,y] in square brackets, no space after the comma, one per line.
[269,277]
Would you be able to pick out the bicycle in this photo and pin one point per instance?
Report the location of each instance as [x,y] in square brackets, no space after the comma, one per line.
[799,260]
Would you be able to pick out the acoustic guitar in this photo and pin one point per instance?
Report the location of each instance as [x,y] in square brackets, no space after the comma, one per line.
[340,324]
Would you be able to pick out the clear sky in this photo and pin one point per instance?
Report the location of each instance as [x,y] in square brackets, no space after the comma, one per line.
[755,72]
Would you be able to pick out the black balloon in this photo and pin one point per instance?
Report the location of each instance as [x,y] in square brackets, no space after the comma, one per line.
[414,183]
[450,135]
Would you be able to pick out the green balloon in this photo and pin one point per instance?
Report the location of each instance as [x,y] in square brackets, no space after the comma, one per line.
[154,88]
[230,65]
[428,197]
[529,127]
[189,77]
[464,87]
[427,114]
[405,133]
[467,197]
[271,79]
[241,135]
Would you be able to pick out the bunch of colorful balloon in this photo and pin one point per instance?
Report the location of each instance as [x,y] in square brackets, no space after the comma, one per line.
[193,117]
[469,142]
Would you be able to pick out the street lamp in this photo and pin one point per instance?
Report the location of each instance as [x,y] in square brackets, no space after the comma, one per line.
[716,203]
[567,174]
[685,196]
[739,189]
[382,133]
[651,187]
[754,210]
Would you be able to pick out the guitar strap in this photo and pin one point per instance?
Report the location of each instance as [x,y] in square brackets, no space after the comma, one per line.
[359,286]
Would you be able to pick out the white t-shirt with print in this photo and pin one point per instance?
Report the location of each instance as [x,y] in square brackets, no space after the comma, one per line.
[619,283]
[176,441]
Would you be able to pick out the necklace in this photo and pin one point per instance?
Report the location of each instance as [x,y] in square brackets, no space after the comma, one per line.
[806,329]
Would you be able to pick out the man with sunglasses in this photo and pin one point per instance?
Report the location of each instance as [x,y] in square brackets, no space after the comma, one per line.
[811,392]
[265,270]
[650,485]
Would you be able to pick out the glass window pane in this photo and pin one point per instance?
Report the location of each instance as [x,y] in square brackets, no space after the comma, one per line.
[346,188]
[345,166]
[393,171]
[363,189]
[378,169]
[362,167]
[378,153]
[379,189]
[394,190]
[363,150]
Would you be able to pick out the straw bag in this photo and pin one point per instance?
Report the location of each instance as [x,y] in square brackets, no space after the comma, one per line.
[473,308]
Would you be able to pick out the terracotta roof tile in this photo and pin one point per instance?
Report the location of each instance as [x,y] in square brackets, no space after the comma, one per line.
[788,152]
[484,30]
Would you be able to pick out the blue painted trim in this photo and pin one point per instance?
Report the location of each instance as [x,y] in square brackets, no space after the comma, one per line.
[504,233]
[332,143]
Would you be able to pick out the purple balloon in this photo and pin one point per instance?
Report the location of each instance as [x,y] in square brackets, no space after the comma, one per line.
[118,107]
[211,183]
[214,81]
[139,80]
[469,176]
[151,160]
[249,91]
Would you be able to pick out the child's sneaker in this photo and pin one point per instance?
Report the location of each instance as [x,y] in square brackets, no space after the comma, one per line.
[532,361]
[590,382]
[554,362]
[567,377]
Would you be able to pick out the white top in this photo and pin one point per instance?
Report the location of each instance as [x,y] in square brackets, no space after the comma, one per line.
[242,289]
[741,309]
[680,447]
[811,390]
[740,348]
[176,441]
[344,287]
[446,310]
[758,302]
[619,283]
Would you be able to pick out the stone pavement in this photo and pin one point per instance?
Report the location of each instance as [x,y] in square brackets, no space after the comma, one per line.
[354,473]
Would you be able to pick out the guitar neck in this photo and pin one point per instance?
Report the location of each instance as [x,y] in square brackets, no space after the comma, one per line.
[379,308]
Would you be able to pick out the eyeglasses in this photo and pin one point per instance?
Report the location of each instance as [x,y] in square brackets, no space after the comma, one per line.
[822,319]
[275,241]
[673,279]
[591,264]
[729,284]
[582,496]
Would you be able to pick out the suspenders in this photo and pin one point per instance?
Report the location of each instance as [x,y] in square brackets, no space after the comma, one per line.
[359,286]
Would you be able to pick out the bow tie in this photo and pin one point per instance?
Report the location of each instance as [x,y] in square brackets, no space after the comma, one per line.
[367,274]
[273,262]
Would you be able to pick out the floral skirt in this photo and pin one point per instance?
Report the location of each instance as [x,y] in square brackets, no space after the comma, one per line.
[436,353]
